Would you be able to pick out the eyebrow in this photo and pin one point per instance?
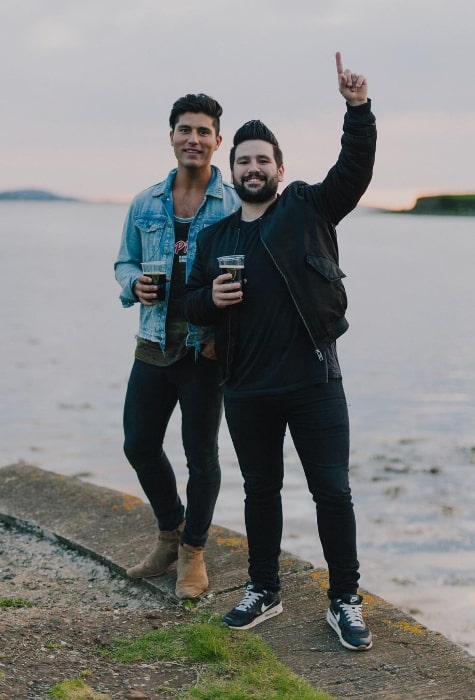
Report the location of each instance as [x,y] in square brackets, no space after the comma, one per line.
[261,156]
[200,128]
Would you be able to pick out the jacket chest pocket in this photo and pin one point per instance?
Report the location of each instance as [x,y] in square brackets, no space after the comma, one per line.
[155,234]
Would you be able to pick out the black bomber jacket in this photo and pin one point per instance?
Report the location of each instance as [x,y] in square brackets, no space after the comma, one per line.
[298,231]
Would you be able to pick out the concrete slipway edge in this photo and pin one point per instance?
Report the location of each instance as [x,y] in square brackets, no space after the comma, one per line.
[407,662]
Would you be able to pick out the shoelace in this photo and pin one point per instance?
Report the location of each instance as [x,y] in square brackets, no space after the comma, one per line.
[248,601]
[353,613]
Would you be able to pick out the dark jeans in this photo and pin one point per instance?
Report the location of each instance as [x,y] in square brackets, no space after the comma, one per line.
[152,394]
[317,417]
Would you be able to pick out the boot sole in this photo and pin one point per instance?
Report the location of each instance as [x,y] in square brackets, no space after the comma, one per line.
[190,597]
[162,572]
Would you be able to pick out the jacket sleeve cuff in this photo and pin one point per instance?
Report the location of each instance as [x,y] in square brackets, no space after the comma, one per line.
[359,110]
[359,117]
[127,295]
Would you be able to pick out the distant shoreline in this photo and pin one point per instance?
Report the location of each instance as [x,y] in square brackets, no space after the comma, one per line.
[440,205]
[35,196]
[430,205]
[45,196]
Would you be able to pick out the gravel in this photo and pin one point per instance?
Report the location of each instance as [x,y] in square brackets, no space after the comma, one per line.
[76,607]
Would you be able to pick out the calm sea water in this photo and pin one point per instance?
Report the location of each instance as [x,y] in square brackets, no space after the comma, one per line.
[409,368]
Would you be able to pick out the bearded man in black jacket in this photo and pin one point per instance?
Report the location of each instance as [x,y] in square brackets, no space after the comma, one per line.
[275,338]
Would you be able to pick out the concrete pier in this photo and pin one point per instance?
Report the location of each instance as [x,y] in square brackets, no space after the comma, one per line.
[408,661]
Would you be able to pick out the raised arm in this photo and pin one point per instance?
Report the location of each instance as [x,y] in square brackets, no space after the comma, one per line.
[347,180]
[353,86]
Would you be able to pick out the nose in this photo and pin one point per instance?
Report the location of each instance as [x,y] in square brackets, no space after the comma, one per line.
[253,171]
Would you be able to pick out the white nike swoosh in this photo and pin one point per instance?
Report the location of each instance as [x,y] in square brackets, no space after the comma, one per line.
[265,607]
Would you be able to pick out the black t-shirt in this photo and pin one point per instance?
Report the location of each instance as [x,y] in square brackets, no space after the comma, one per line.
[274,353]
[176,327]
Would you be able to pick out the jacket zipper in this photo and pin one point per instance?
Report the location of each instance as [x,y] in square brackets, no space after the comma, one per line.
[317,351]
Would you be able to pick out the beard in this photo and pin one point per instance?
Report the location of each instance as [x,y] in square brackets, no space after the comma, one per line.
[264,194]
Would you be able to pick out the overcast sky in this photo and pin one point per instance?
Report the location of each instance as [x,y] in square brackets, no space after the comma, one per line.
[87,87]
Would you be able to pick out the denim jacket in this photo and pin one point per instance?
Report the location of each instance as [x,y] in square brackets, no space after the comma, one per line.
[149,234]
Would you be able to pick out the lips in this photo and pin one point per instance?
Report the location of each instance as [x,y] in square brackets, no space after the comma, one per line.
[255,178]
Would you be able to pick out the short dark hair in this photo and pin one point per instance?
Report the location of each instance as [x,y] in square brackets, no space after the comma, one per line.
[255,130]
[199,104]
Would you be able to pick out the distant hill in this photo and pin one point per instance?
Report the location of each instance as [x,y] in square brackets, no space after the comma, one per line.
[35,195]
[443,205]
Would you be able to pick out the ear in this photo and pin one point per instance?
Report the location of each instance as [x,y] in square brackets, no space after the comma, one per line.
[280,173]
[219,140]
[171,137]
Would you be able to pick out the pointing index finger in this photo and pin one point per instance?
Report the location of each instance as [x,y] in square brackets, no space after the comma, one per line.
[339,63]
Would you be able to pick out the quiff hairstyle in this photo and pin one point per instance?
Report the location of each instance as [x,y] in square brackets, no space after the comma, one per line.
[199,104]
[255,130]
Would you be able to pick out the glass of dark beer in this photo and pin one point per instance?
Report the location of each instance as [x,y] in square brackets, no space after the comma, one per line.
[233,264]
[156,269]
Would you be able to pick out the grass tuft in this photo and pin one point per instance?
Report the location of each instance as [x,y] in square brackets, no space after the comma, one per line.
[15,603]
[75,689]
[232,665]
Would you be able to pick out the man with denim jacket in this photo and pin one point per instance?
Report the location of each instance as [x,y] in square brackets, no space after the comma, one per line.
[174,361]
[276,341]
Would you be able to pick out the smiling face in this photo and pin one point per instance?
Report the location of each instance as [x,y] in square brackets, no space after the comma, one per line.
[194,140]
[256,175]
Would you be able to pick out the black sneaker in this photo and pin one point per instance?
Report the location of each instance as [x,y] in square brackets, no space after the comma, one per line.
[256,606]
[345,616]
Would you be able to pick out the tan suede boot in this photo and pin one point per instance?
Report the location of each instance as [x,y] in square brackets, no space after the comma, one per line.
[192,579]
[162,556]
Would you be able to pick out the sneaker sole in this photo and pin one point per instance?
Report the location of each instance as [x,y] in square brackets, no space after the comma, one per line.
[261,618]
[336,627]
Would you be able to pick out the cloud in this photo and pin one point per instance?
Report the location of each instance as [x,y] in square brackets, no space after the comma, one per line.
[93,82]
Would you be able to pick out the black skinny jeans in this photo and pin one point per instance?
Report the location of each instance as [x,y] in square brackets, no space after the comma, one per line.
[152,394]
[317,417]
